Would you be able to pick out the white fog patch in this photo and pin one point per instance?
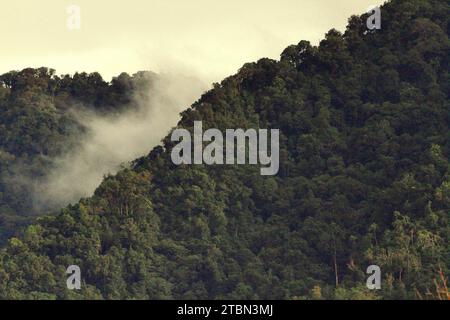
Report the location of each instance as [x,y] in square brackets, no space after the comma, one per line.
[113,140]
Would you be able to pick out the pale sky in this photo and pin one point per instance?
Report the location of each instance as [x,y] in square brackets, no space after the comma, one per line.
[208,38]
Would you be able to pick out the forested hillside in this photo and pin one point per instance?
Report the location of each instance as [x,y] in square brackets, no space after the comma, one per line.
[38,122]
[364,179]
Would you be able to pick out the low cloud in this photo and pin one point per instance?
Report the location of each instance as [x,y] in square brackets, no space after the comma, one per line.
[116,139]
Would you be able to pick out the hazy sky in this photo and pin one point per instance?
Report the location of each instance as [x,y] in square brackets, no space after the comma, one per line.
[210,38]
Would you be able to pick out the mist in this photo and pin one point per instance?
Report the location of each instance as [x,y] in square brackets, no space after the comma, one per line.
[112,140]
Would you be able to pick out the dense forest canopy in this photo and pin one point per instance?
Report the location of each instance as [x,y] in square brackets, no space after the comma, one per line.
[364,179]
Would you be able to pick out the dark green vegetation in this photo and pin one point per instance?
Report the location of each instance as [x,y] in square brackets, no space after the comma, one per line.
[364,179]
[38,122]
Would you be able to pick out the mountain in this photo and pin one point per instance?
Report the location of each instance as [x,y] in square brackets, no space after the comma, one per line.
[363,180]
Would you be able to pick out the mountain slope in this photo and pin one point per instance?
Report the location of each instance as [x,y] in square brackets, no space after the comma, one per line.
[364,179]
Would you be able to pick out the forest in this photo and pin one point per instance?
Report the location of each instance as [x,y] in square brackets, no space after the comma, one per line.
[363,178]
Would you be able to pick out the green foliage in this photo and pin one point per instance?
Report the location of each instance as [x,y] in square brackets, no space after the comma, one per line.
[364,179]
